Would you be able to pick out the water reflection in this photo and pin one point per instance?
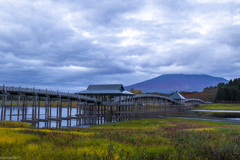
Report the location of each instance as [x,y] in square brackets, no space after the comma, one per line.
[225,114]
[225,111]
[229,114]
[16,110]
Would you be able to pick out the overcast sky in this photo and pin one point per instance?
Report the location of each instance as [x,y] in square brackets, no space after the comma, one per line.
[67,45]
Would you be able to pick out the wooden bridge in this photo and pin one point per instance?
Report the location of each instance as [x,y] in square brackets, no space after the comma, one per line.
[93,110]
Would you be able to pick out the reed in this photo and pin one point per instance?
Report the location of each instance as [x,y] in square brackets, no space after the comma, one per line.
[218,106]
[162,138]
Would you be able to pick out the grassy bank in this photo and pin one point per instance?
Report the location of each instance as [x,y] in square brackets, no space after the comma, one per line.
[218,106]
[167,138]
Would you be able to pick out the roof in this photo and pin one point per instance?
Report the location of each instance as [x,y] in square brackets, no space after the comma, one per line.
[177,96]
[105,89]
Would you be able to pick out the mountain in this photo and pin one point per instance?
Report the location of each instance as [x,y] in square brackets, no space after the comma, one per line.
[169,83]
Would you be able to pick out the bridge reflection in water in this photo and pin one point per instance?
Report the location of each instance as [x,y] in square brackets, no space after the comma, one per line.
[45,108]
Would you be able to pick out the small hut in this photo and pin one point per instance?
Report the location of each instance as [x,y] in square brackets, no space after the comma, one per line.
[177,97]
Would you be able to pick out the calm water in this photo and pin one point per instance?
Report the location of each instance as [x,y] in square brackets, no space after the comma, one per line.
[227,114]
[224,111]
[42,115]
[224,114]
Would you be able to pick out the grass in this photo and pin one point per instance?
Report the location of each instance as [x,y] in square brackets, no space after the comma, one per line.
[7,124]
[218,106]
[162,138]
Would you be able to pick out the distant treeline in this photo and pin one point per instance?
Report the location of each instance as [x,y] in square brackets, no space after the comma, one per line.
[229,92]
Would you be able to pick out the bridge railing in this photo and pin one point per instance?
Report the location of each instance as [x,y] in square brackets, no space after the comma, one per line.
[197,100]
[123,98]
[70,95]
[118,103]
[41,91]
[45,92]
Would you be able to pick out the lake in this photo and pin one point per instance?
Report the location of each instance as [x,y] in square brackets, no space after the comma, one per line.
[232,115]
[42,115]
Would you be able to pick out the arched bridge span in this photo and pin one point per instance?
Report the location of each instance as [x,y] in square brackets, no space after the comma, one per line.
[31,103]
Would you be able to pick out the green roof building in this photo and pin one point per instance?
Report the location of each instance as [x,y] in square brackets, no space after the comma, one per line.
[106,89]
[177,97]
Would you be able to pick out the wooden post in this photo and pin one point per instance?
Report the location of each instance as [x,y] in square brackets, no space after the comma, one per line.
[60,112]
[85,114]
[80,113]
[77,113]
[46,111]
[23,107]
[2,109]
[18,106]
[11,108]
[101,114]
[57,113]
[33,110]
[70,113]
[38,111]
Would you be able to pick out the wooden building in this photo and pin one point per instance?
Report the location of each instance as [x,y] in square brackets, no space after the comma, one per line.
[177,97]
[117,103]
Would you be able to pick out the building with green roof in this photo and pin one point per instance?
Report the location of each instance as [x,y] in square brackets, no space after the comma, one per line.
[177,97]
[106,89]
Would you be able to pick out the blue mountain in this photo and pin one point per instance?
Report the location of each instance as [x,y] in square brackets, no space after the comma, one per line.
[169,83]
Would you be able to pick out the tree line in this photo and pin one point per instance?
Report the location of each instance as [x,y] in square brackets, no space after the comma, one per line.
[136,91]
[229,92]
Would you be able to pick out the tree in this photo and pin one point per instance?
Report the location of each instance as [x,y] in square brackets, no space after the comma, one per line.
[132,90]
[136,91]
[230,83]
[139,92]
[220,85]
[229,92]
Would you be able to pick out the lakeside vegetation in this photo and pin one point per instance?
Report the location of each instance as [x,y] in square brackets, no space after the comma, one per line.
[229,92]
[162,138]
[208,94]
[218,106]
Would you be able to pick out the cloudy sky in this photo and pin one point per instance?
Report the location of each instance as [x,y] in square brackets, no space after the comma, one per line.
[67,45]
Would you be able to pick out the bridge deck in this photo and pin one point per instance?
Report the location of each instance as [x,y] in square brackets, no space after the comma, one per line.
[87,110]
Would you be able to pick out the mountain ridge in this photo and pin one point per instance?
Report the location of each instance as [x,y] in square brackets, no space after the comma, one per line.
[168,83]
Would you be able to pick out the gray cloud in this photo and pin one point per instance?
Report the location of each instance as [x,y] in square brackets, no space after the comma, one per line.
[67,45]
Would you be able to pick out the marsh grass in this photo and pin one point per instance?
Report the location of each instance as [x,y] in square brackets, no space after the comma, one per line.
[165,138]
[9,124]
[218,106]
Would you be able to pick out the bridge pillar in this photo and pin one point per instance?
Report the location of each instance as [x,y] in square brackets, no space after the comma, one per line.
[10,118]
[46,111]
[59,112]
[23,106]
[34,110]
[2,110]
[18,106]
[39,103]
[50,112]
[68,107]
